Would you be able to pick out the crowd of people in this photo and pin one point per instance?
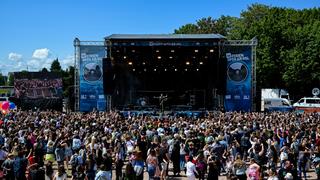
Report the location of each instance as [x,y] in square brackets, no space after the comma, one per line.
[26,88]
[105,145]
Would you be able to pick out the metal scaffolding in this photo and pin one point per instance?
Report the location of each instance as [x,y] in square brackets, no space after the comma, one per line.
[107,44]
[77,57]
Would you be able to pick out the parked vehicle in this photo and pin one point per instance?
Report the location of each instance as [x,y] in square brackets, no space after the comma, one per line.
[277,104]
[308,105]
[275,100]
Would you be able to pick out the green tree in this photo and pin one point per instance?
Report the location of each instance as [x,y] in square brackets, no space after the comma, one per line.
[44,70]
[55,66]
[288,51]
[187,29]
[68,86]
[208,25]
[10,79]
[2,80]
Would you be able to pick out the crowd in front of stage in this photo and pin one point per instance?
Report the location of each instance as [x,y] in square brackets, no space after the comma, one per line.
[47,145]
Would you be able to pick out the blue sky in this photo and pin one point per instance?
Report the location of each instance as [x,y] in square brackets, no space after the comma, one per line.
[34,32]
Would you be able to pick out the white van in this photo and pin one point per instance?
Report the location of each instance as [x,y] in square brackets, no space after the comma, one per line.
[276,104]
[308,104]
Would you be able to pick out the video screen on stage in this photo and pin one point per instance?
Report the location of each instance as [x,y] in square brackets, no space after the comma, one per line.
[37,85]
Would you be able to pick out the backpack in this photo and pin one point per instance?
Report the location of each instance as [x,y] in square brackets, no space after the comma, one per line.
[74,160]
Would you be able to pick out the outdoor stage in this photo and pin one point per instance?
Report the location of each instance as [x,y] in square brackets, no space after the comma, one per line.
[186,72]
[166,71]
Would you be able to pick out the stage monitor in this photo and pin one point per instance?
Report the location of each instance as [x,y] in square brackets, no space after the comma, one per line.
[38,90]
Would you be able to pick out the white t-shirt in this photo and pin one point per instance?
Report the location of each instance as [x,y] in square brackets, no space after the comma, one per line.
[76,143]
[130,145]
[191,169]
[103,175]
[63,177]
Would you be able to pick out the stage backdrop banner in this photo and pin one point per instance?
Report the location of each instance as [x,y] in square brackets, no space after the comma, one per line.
[91,78]
[238,91]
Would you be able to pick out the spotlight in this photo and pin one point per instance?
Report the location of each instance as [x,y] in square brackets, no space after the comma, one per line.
[124,57]
[193,57]
[197,69]
[133,69]
[200,62]
[157,50]
[118,51]
[170,57]
[196,50]
[187,63]
[145,70]
[133,50]
[175,69]
[206,57]
[211,50]
[144,63]
[159,57]
[172,50]
[186,69]
[130,63]
[165,69]
[155,69]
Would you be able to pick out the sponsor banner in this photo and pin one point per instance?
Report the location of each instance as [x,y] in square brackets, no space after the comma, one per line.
[91,78]
[238,91]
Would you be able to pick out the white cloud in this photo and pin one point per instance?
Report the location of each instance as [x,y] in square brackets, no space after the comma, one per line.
[34,64]
[41,53]
[19,65]
[14,56]
[67,61]
[40,58]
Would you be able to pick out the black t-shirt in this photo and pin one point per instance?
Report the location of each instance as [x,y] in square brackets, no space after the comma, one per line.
[37,174]
[107,161]
[143,148]
[162,154]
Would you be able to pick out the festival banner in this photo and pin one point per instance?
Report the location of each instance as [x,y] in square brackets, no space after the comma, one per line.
[239,78]
[91,79]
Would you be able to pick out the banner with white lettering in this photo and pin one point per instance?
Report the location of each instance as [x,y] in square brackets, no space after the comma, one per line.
[239,78]
[91,78]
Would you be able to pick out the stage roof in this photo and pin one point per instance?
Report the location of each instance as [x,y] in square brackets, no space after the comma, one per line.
[163,36]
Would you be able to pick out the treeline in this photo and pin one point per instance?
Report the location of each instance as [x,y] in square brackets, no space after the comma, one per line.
[288,51]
